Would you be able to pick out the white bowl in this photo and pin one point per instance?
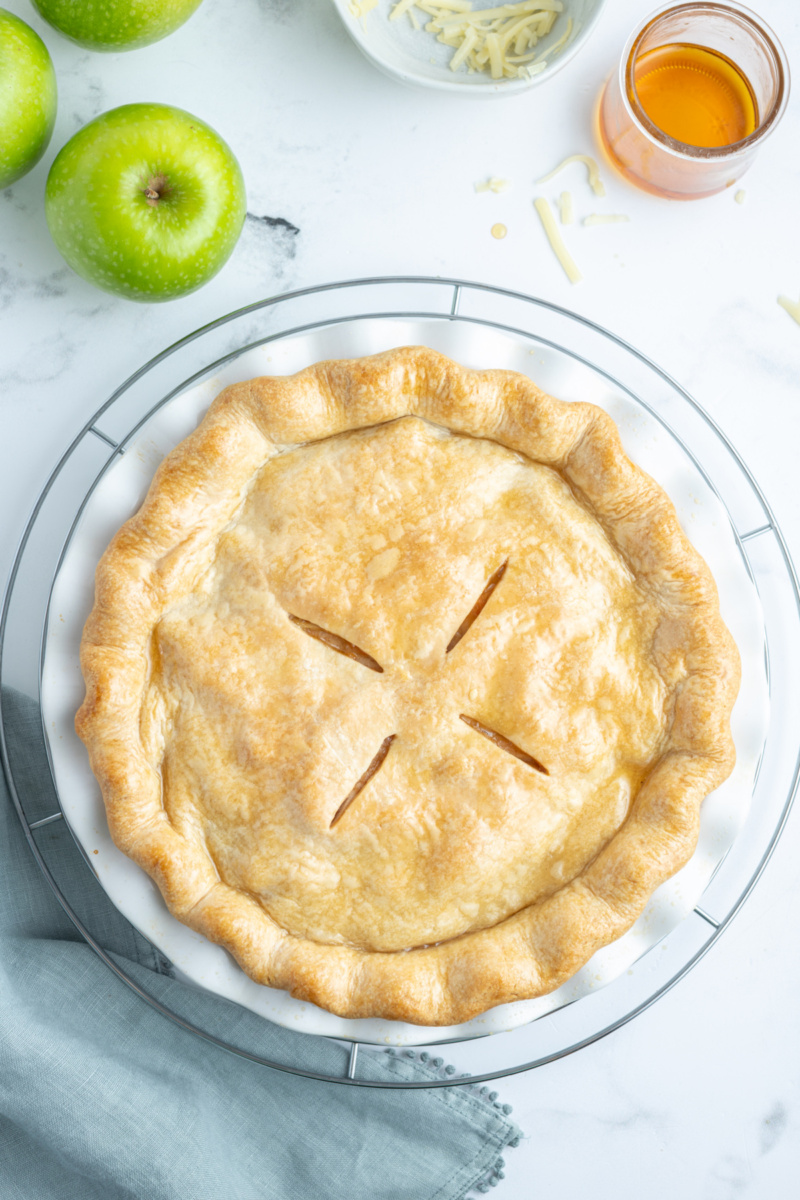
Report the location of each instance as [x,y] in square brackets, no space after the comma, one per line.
[416,58]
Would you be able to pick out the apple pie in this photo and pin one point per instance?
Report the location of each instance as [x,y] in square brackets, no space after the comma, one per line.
[405,686]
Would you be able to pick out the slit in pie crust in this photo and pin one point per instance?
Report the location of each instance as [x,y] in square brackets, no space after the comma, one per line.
[405,686]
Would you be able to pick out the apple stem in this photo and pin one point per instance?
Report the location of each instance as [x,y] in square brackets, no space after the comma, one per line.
[156,187]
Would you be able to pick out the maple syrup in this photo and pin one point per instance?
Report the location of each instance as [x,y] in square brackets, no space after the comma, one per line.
[698,87]
[695,95]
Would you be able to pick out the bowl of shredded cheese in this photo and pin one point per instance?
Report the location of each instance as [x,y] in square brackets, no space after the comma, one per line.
[469,46]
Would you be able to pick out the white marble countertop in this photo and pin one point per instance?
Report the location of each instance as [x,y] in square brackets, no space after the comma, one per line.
[700,1095]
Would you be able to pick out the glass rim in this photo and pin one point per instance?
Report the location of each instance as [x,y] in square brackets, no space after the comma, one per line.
[673,145]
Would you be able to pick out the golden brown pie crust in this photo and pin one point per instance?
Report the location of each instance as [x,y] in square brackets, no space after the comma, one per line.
[405,686]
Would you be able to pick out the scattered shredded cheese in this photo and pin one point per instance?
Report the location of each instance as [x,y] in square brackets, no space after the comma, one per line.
[555,240]
[492,184]
[360,8]
[500,40]
[499,231]
[792,307]
[565,208]
[740,195]
[595,182]
[605,219]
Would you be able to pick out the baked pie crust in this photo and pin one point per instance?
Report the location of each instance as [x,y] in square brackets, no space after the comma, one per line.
[405,686]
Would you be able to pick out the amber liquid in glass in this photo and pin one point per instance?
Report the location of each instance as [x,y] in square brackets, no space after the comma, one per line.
[695,95]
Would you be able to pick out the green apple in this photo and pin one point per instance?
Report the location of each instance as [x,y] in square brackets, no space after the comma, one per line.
[116,24]
[146,201]
[27,98]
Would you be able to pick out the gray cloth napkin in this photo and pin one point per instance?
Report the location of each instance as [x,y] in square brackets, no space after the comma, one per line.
[103,1097]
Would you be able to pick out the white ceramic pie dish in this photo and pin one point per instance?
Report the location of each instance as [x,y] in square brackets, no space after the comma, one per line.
[119,494]
[414,57]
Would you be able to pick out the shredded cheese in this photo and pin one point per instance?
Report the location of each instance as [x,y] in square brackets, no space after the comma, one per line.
[493,184]
[553,50]
[565,208]
[595,182]
[500,40]
[792,307]
[740,195]
[556,243]
[403,6]
[360,8]
[605,218]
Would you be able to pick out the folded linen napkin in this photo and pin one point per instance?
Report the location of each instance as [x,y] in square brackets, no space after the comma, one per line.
[103,1097]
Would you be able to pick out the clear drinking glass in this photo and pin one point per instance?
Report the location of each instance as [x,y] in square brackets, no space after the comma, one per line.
[653,159]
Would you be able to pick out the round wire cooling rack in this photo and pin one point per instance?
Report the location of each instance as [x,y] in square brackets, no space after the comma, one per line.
[354,318]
